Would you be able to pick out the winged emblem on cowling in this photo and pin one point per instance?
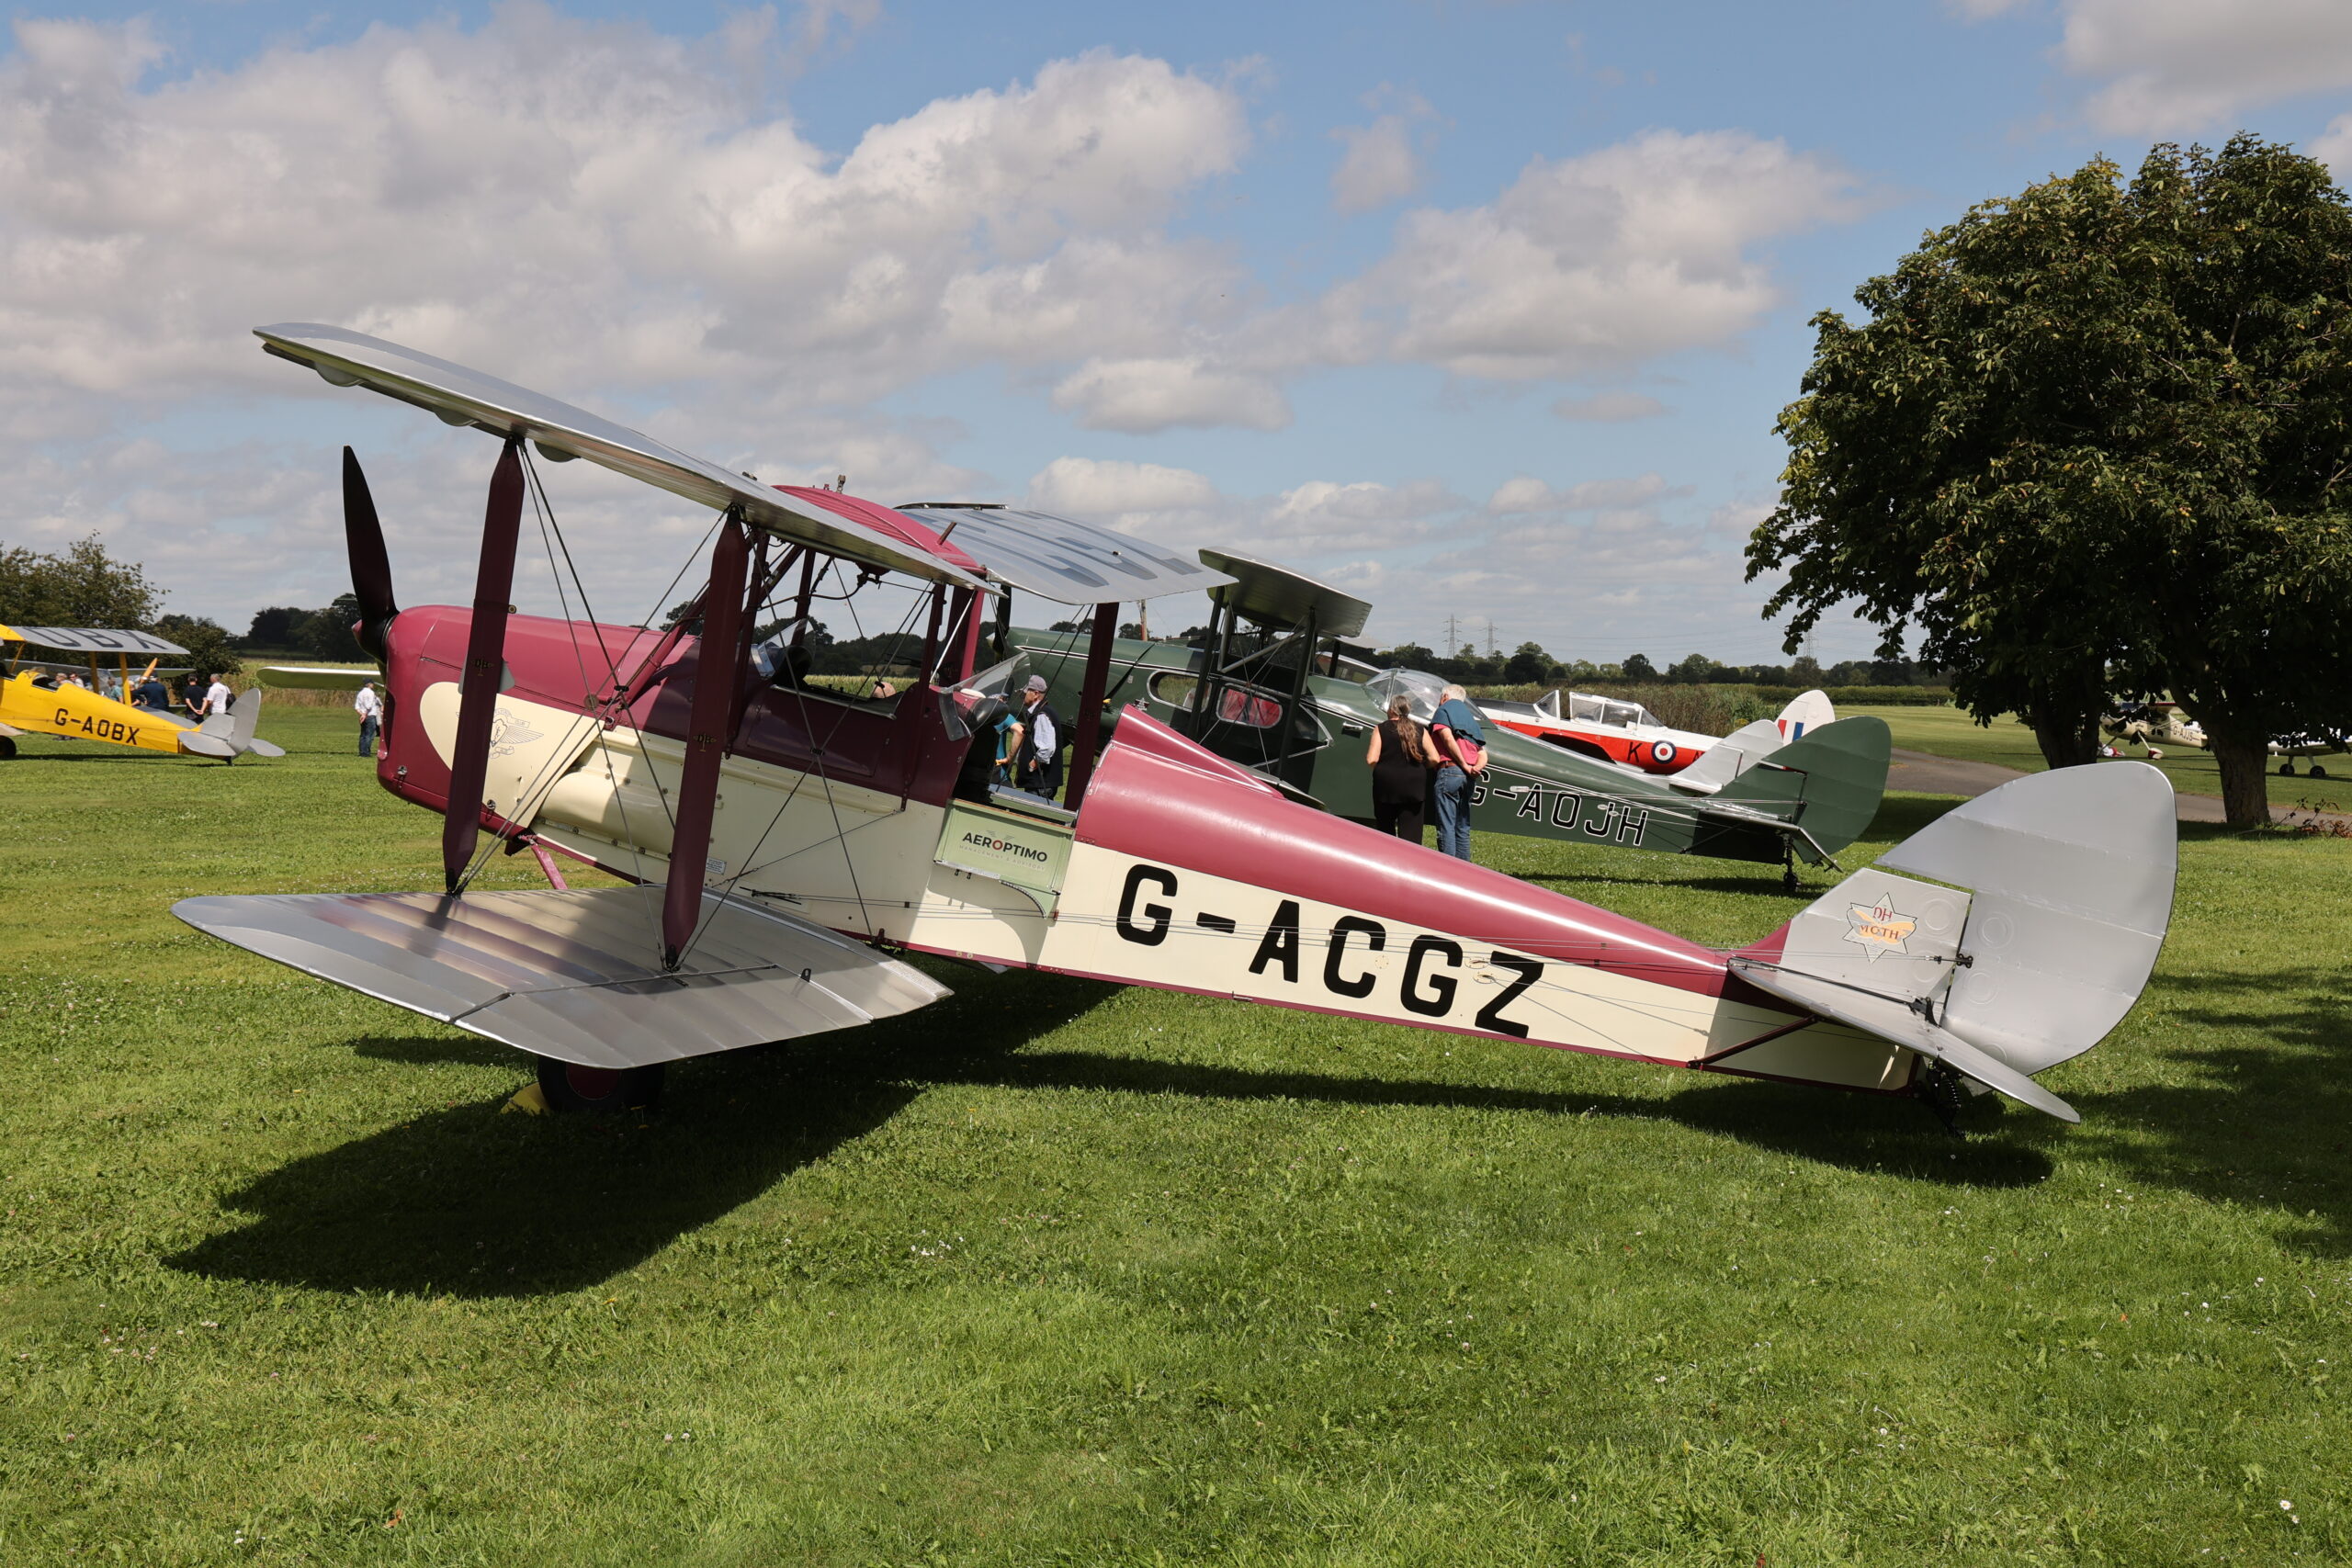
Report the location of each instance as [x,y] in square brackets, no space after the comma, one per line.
[509,733]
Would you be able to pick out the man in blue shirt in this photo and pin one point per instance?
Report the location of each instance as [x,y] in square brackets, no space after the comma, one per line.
[1462,745]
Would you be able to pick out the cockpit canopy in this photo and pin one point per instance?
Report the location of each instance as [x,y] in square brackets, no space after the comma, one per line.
[1580,707]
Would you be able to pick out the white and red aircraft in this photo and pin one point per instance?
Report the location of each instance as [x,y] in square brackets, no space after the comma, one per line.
[1614,731]
[786,843]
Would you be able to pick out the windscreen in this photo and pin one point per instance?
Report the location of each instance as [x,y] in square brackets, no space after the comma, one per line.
[1425,691]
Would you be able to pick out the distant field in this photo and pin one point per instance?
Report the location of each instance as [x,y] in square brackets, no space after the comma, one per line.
[1950,732]
[1058,1272]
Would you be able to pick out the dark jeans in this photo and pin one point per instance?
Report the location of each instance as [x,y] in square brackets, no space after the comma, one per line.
[1402,818]
[368,736]
[1452,787]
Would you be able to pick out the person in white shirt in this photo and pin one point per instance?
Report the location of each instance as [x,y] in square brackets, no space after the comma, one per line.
[1038,765]
[218,696]
[370,709]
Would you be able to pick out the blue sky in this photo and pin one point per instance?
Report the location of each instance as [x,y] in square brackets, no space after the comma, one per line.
[1481,309]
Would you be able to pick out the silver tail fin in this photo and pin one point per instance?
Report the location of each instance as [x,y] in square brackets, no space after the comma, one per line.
[245,717]
[2071,874]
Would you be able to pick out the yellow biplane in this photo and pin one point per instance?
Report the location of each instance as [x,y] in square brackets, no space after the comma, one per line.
[46,697]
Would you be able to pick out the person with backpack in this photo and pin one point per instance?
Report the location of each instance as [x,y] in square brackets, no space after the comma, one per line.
[1462,756]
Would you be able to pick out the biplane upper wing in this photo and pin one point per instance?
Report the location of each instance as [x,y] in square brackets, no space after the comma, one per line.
[1069,562]
[90,640]
[458,395]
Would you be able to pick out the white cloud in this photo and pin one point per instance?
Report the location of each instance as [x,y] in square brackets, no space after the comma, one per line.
[2179,66]
[1609,407]
[2333,148]
[581,204]
[1520,496]
[1085,486]
[1380,165]
[1140,395]
[1586,267]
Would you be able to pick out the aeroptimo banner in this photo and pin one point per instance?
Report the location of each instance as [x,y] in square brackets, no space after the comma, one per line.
[1012,849]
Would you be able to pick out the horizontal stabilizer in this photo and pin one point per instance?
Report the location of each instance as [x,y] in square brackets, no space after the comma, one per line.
[576,975]
[1729,758]
[244,717]
[2062,887]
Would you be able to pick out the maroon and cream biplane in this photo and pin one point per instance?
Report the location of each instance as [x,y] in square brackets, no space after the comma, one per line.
[785,839]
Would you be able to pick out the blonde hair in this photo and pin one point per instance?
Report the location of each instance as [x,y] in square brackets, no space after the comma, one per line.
[1408,729]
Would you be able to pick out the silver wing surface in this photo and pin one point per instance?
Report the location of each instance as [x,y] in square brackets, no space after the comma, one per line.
[461,396]
[1071,563]
[572,975]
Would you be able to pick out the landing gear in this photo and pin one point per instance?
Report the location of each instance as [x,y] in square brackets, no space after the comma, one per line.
[2317,771]
[8,747]
[1788,868]
[2287,769]
[568,1086]
[1943,1091]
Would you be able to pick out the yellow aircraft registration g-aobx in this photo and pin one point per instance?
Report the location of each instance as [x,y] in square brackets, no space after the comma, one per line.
[36,699]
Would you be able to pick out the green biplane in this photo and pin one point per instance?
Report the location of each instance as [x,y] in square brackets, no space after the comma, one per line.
[1280,689]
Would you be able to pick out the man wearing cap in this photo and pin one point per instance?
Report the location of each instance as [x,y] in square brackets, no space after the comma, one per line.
[1038,769]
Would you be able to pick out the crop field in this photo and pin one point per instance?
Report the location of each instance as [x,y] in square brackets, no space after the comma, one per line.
[1057,1272]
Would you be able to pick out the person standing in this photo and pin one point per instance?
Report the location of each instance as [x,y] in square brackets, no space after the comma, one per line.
[370,709]
[1040,770]
[154,693]
[1462,756]
[217,697]
[1400,758]
[192,695]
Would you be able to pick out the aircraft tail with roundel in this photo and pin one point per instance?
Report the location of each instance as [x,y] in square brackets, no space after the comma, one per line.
[2047,905]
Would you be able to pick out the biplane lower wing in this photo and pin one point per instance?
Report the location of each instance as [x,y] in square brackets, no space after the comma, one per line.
[573,975]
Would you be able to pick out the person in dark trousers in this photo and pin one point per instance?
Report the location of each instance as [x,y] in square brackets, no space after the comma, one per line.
[370,709]
[192,695]
[1040,769]
[1400,758]
[1462,756]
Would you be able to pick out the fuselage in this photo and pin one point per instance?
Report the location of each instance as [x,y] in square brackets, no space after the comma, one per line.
[1181,870]
[45,704]
[1623,733]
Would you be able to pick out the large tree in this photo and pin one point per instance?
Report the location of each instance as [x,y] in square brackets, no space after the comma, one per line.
[81,587]
[2097,437]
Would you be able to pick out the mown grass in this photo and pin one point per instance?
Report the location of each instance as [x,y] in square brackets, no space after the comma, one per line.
[1950,732]
[1059,1272]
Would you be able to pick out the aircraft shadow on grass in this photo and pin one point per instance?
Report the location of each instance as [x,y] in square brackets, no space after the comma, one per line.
[2262,1121]
[462,1202]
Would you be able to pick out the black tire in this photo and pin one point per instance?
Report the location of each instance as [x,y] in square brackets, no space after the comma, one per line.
[2287,769]
[8,747]
[567,1087]
[2317,772]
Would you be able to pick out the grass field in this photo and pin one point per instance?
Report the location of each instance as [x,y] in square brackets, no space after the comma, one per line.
[1950,732]
[1054,1272]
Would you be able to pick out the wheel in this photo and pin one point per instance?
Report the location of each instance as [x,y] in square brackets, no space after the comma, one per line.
[8,747]
[2317,772]
[568,1086]
[2287,769]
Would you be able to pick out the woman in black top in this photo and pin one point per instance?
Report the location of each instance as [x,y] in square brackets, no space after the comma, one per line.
[1400,758]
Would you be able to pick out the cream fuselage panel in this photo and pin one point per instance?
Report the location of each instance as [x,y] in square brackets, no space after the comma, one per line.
[866,863]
